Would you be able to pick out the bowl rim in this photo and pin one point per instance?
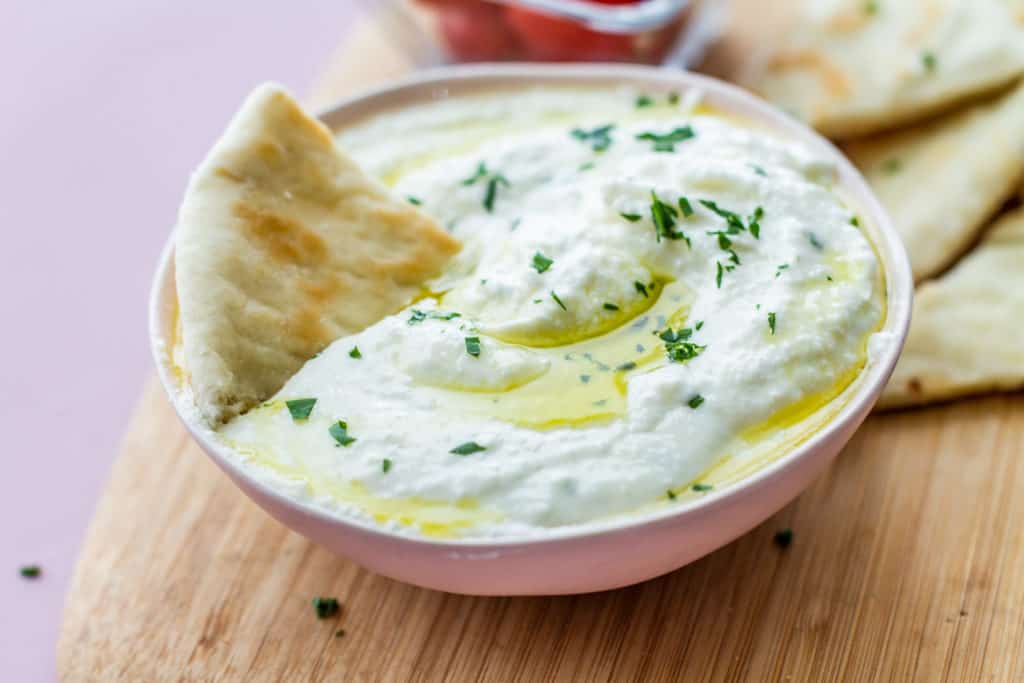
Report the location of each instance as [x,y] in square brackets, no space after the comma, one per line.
[443,82]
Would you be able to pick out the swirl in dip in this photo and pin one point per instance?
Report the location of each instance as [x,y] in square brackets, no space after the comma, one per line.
[652,301]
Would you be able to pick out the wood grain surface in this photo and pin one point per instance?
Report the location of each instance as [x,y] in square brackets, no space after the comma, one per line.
[905,565]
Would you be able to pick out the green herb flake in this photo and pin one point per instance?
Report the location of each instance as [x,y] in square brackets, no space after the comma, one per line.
[871,8]
[492,191]
[326,607]
[771,322]
[599,138]
[671,494]
[673,98]
[701,488]
[339,430]
[480,172]
[664,216]
[558,301]
[354,352]
[718,274]
[419,316]
[584,378]
[610,306]
[781,267]
[685,207]
[385,465]
[415,201]
[300,408]
[815,242]
[586,166]
[855,221]
[473,346]
[641,288]
[644,101]
[783,537]
[631,217]
[625,367]
[677,347]
[700,324]
[666,142]
[929,61]
[758,170]
[732,219]
[754,222]
[541,262]
[468,448]
[31,571]
[696,401]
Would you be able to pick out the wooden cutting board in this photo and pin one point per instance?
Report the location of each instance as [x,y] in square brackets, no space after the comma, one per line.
[905,565]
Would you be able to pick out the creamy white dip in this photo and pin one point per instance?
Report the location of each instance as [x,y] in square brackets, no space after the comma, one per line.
[599,365]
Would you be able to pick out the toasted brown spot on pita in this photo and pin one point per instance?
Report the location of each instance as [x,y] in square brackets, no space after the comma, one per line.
[284,239]
[832,77]
[914,385]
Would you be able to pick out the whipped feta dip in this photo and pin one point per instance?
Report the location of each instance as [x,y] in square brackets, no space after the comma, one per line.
[653,300]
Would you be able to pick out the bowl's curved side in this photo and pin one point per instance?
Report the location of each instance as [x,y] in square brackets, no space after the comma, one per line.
[601,556]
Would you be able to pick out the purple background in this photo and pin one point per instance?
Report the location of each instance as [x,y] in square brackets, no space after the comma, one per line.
[107,107]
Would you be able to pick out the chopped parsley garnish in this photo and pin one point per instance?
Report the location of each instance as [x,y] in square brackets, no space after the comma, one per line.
[855,221]
[664,216]
[829,278]
[339,430]
[610,306]
[673,98]
[780,268]
[419,316]
[492,191]
[758,170]
[584,378]
[815,242]
[415,201]
[493,180]
[783,537]
[300,408]
[558,301]
[385,465]
[685,207]
[640,287]
[677,347]
[473,346]
[31,571]
[666,142]
[541,262]
[599,138]
[718,274]
[628,365]
[695,401]
[771,322]
[644,101]
[468,448]
[671,494]
[929,61]
[700,488]
[754,222]
[892,165]
[631,217]
[700,324]
[355,352]
[480,172]
[587,166]
[326,607]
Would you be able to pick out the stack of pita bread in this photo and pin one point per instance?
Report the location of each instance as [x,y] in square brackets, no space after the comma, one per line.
[927,99]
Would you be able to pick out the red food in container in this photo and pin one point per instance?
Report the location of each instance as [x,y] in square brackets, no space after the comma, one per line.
[641,31]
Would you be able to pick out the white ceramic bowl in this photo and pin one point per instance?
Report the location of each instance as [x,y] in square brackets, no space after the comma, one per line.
[607,555]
